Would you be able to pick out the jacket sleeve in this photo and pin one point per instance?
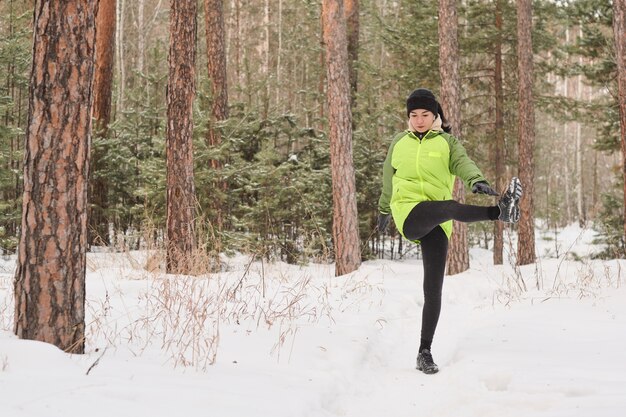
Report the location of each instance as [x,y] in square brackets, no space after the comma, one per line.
[462,165]
[388,171]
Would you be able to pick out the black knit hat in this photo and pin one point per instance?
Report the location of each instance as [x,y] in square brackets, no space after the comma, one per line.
[422,99]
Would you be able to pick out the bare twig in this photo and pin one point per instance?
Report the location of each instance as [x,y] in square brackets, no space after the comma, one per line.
[97,361]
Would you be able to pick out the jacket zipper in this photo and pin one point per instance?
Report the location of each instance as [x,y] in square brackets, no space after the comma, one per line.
[417,161]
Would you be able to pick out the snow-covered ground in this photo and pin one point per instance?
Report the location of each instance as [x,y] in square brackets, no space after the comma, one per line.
[278,340]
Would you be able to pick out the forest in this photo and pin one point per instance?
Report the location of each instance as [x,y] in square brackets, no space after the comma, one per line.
[190,218]
[260,127]
[274,186]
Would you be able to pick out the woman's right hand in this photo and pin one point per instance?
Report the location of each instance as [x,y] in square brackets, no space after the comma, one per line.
[481,187]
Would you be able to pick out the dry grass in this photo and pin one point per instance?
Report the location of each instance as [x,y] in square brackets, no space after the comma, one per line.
[6,303]
[588,280]
[183,315]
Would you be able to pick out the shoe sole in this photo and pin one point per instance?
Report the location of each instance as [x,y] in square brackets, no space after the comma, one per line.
[515,184]
[515,192]
[427,372]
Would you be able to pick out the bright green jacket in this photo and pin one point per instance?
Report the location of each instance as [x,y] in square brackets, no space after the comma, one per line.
[423,170]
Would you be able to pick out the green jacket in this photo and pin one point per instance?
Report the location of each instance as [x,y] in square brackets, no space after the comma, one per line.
[423,170]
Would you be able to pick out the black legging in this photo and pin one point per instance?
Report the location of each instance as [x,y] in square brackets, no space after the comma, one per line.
[423,224]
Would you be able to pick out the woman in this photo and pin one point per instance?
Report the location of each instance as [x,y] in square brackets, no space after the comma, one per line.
[418,179]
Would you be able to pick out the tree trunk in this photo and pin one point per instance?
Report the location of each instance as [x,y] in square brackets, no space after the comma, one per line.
[216,54]
[121,71]
[141,36]
[216,61]
[567,186]
[619,29]
[580,207]
[458,260]
[238,39]
[345,219]
[526,132]
[351,11]
[102,87]
[498,243]
[179,149]
[50,278]
[279,53]
[321,85]
[266,59]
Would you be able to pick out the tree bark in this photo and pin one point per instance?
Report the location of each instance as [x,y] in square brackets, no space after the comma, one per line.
[498,245]
[103,83]
[179,149]
[619,29]
[526,132]
[50,278]
[238,39]
[119,105]
[216,54]
[105,46]
[216,61]
[458,259]
[345,219]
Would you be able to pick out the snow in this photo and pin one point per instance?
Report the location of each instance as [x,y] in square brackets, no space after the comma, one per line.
[281,340]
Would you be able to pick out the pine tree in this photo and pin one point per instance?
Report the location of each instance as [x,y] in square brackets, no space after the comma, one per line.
[50,277]
[103,83]
[458,257]
[181,200]
[619,31]
[526,138]
[345,220]
[216,63]
[498,245]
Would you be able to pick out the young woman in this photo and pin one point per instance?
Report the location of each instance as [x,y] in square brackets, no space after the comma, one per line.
[418,179]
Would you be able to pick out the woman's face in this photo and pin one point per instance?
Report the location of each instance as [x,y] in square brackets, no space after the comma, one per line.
[421,120]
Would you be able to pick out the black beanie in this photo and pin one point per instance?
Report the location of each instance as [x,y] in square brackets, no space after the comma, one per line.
[422,99]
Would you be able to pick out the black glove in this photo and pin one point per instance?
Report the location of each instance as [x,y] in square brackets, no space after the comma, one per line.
[481,187]
[383,221]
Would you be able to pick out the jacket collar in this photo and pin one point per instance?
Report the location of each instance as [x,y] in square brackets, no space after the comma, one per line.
[429,135]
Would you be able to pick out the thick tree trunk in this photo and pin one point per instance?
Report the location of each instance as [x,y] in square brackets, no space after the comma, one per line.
[526,132]
[181,199]
[345,219]
[619,29]
[103,83]
[50,277]
[498,244]
[458,260]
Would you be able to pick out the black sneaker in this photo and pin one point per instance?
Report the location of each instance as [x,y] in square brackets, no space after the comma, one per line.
[509,202]
[425,362]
